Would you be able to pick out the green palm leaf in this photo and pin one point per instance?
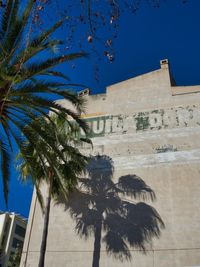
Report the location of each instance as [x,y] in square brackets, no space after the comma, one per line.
[5,168]
[37,44]
[4,20]
[34,69]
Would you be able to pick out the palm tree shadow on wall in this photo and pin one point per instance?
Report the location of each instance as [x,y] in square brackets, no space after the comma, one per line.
[100,208]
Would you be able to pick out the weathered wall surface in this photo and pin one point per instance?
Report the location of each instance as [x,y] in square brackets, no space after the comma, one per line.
[152,130]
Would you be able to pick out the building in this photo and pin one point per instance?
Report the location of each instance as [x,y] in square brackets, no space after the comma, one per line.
[12,234]
[150,129]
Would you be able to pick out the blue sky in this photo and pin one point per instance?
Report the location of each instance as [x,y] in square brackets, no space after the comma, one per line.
[171,31]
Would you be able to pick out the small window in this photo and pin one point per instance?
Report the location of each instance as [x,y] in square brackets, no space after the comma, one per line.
[20,230]
[17,243]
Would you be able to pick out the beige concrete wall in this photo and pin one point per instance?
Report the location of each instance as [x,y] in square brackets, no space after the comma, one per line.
[165,153]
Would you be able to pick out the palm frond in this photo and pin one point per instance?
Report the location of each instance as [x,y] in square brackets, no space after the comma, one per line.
[33,131]
[34,69]
[6,129]
[36,45]
[26,13]
[56,74]
[53,88]
[15,28]
[13,14]
[37,41]
[31,51]
[52,106]
[5,168]
[5,16]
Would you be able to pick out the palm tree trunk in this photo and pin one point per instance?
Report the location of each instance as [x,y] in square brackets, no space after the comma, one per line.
[45,228]
[97,245]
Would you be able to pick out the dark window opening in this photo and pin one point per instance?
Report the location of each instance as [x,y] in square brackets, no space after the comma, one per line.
[20,230]
[17,243]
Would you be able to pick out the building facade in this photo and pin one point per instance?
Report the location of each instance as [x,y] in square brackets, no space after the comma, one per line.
[12,234]
[145,134]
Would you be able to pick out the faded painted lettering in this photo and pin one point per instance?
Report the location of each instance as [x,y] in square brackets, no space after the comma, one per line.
[145,121]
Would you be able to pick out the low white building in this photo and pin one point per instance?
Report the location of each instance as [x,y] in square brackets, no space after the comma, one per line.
[12,233]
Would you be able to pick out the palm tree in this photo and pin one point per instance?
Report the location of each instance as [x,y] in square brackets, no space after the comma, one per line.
[60,174]
[103,208]
[25,87]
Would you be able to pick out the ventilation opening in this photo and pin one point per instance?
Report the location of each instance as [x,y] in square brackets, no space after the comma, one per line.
[84,92]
